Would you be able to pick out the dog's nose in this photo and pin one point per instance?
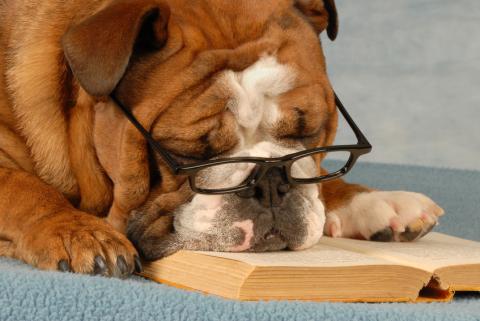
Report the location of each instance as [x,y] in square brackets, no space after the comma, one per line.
[270,190]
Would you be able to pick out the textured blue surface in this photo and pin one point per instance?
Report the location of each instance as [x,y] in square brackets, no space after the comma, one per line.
[27,294]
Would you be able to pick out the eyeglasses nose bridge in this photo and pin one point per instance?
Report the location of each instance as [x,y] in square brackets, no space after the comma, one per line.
[266,168]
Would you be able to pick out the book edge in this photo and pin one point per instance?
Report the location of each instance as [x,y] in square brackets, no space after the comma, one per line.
[180,256]
[447,291]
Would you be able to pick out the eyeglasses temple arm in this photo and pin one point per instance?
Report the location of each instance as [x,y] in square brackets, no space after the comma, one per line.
[358,133]
[173,164]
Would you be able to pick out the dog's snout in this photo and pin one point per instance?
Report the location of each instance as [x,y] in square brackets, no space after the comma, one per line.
[270,190]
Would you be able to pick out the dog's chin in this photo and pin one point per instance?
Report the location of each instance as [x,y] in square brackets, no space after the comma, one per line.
[229,223]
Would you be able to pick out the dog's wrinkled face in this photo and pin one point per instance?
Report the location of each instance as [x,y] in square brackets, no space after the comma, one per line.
[232,78]
[268,218]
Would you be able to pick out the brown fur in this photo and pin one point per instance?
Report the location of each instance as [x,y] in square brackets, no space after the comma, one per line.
[59,134]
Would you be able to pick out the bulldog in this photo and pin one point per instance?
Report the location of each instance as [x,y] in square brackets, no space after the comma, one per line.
[89,87]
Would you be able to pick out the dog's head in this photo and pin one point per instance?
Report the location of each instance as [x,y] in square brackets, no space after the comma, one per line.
[208,79]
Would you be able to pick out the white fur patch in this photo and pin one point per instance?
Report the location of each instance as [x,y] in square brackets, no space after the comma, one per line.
[371,212]
[199,213]
[255,91]
[314,218]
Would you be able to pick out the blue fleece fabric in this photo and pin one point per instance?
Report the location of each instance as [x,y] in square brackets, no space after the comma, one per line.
[27,294]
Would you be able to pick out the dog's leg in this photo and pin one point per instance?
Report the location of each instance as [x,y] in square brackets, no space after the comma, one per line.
[39,226]
[355,211]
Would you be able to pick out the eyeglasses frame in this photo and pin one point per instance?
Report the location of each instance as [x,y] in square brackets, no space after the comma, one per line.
[285,162]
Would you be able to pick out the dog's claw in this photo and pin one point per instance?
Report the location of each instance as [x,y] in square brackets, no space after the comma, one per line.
[410,234]
[138,264]
[428,230]
[122,265]
[64,266]
[100,266]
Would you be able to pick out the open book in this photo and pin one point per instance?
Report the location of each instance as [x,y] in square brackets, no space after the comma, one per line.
[431,269]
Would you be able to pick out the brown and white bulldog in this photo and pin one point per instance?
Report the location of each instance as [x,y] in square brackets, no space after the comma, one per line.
[208,79]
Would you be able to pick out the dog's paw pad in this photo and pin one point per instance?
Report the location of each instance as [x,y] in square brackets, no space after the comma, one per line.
[410,235]
[411,232]
[416,230]
[385,235]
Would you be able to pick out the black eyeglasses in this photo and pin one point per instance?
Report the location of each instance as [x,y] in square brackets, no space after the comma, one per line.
[228,175]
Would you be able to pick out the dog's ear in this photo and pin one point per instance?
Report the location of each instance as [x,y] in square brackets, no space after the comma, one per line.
[322,14]
[99,48]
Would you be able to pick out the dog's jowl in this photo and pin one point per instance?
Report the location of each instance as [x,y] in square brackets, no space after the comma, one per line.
[207,79]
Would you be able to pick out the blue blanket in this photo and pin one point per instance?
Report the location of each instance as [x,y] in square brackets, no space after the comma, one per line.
[27,294]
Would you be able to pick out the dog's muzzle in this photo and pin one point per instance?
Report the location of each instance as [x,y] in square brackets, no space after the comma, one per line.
[271,190]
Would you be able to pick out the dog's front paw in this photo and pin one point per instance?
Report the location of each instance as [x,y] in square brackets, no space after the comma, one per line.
[384,217]
[78,242]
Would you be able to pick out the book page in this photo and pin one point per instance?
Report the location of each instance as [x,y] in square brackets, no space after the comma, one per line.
[433,251]
[318,256]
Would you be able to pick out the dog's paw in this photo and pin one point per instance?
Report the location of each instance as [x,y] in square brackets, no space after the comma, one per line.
[77,242]
[384,217]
